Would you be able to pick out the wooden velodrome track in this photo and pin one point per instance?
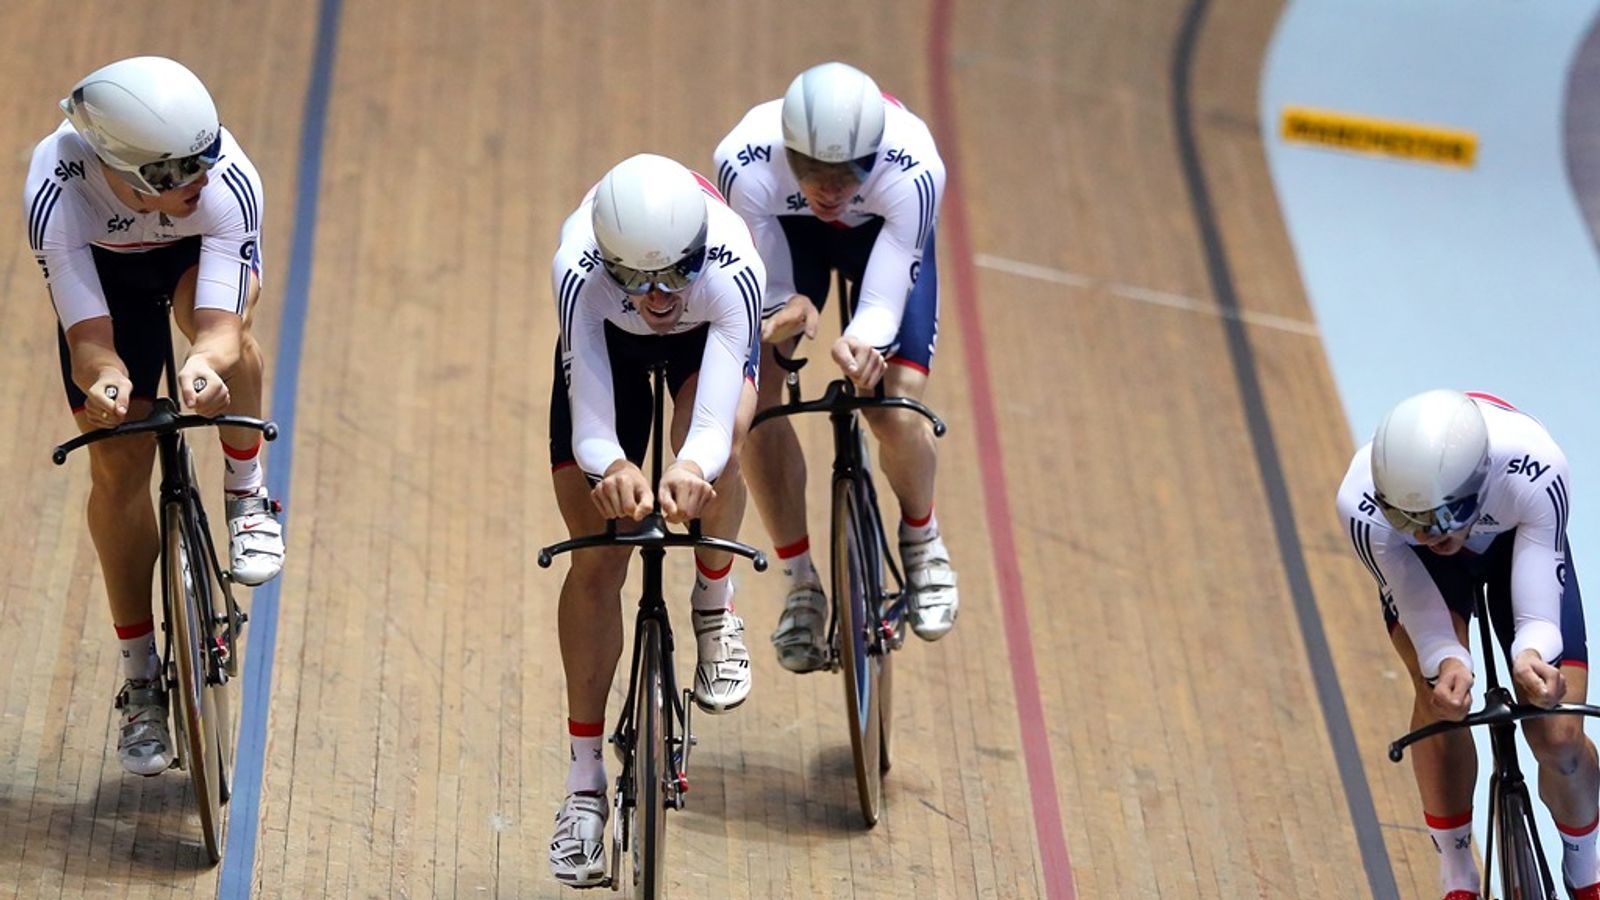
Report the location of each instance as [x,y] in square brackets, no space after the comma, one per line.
[1169,678]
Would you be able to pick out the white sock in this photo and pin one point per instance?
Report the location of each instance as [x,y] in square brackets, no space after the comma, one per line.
[1578,858]
[713,590]
[139,659]
[915,531]
[1452,837]
[588,770]
[796,561]
[242,469]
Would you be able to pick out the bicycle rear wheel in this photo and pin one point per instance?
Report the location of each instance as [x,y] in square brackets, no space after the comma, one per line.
[651,762]
[1522,874]
[856,593]
[196,712]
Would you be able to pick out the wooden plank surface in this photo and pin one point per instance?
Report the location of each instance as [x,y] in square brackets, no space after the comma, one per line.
[416,738]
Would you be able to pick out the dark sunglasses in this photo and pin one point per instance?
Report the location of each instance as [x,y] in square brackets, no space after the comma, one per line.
[670,280]
[170,174]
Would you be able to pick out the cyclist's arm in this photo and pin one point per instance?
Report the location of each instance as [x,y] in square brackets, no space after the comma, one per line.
[897,255]
[1402,579]
[230,259]
[595,444]
[724,367]
[91,346]
[1539,557]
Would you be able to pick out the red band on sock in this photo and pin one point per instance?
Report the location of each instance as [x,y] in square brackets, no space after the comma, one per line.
[1580,831]
[129,632]
[794,549]
[1448,823]
[236,453]
[918,523]
[585,729]
[713,574]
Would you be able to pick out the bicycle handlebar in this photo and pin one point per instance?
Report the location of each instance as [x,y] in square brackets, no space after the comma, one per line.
[163,419]
[1498,709]
[653,532]
[839,396]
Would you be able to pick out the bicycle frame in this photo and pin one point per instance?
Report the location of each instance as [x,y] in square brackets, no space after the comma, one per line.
[1510,806]
[653,627]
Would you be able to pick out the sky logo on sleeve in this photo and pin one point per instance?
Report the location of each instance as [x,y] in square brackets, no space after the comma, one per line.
[1528,466]
[752,153]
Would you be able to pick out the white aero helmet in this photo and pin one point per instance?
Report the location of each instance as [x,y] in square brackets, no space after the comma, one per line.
[149,119]
[650,222]
[1430,459]
[833,113]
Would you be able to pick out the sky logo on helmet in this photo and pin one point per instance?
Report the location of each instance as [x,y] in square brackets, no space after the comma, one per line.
[751,153]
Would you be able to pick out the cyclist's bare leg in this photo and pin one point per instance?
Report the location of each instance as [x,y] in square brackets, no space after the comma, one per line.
[1445,765]
[773,463]
[905,442]
[122,519]
[589,617]
[232,348]
[723,515]
[1569,773]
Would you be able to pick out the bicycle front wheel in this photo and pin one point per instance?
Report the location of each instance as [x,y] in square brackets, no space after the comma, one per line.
[1522,873]
[197,716]
[652,764]
[856,595]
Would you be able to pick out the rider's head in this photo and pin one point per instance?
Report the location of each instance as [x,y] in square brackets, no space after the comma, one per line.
[650,222]
[1430,459]
[151,122]
[832,125]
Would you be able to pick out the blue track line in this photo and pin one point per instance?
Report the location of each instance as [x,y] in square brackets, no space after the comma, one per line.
[239,856]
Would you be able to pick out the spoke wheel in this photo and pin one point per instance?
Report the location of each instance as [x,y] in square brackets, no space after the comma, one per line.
[197,712]
[856,596]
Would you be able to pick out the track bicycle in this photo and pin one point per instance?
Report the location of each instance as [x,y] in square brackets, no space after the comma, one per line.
[653,734]
[867,617]
[1513,837]
[201,621]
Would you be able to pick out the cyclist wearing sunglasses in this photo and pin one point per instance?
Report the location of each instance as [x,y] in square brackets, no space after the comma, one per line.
[839,176]
[652,267]
[141,195]
[1454,492]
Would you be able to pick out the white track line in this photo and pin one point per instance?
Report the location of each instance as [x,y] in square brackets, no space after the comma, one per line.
[1143,295]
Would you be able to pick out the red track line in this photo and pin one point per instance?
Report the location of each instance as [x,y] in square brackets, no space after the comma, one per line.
[997,506]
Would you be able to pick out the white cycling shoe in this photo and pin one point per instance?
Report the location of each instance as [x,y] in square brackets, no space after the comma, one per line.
[255,538]
[722,675]
[144,745]
[801,637]
[578,848]
[934,601]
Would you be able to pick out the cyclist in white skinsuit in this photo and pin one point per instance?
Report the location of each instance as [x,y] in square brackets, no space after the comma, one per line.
[1457,492]
[653,266]
[839,176]
[139,195]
